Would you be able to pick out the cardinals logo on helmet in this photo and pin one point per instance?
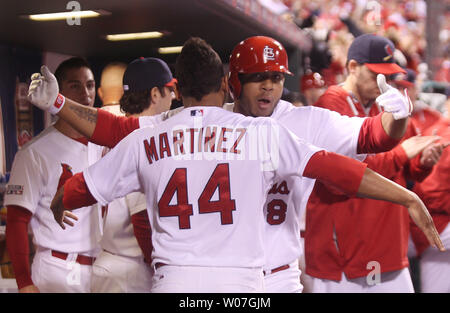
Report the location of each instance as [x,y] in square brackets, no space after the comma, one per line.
[268,54]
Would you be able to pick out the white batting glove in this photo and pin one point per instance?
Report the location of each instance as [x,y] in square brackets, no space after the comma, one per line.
[44,92]
[392,100]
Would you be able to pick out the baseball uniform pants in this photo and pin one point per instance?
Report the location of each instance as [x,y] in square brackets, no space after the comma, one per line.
[284,281]
[435,266]
[207,279]
[119,274]
[56,275]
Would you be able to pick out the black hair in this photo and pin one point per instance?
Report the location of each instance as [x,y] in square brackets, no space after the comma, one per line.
[67,65]
[199,69]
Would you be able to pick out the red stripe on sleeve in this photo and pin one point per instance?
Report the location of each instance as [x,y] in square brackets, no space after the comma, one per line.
[110,128]
[76,193]
[17,220]
[336,170]
[373,138]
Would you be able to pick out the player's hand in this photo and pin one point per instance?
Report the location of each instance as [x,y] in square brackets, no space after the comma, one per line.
[392,100]
[61,215]
[415,145]
[44,91]
[29,289]
[422,218]
[432,154]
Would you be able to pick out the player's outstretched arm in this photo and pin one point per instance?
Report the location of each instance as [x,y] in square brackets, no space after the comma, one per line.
[354,178]
[397,108]
[80,117]
[44,93]
[375,186]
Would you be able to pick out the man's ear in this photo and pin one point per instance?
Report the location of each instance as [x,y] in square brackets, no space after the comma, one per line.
[352,66]
[154,95]
[100,93]
[177,91]
[225,85]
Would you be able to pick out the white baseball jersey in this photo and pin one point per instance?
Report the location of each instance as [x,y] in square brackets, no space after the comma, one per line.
[35,174]
[118,235]
[205,173]
[285,208]
[286,202]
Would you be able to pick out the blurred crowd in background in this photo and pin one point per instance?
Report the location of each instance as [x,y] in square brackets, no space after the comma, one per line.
[332,25]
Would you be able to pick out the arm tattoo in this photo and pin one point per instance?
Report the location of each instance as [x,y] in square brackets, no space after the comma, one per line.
[86,113]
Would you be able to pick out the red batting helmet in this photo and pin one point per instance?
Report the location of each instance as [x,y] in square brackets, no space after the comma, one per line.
[256,55]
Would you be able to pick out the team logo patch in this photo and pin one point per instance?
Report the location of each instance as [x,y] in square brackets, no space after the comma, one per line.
[268,53]
[196,112]
[14,190]
[389,51]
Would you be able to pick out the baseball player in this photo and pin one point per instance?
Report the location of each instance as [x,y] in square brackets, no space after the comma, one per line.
[42,101]
[435,192]
[256,92]
[347,251]
[348,136]
[123,265]
[63,259]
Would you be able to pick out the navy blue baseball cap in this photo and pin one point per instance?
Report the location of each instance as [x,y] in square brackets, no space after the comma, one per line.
[376,52]
[146,73]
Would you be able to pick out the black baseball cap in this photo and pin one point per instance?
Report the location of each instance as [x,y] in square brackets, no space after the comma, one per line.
[146,73]
[376,52]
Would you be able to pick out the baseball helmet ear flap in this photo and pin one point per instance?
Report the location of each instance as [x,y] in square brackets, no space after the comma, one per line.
[235,84]
[256,55]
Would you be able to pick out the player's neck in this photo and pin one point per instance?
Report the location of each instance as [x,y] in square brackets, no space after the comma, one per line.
[215,99]
[150,111]
[349,85]
[66,129]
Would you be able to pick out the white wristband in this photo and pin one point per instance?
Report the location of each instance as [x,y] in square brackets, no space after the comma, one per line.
[58,105]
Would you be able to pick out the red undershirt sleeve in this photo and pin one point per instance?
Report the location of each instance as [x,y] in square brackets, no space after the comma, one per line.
[388,164]
[416,171]
[143,234]
[76,193]
[17,220]
[110,128]
[373,138]
[336,170]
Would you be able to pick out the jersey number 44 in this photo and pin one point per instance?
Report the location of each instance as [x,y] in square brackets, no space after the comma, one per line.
[220,179]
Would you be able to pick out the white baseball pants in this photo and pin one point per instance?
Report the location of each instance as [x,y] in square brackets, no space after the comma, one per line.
[435,266]
[119,274]
[285,281]
[54,275]
[207,279]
